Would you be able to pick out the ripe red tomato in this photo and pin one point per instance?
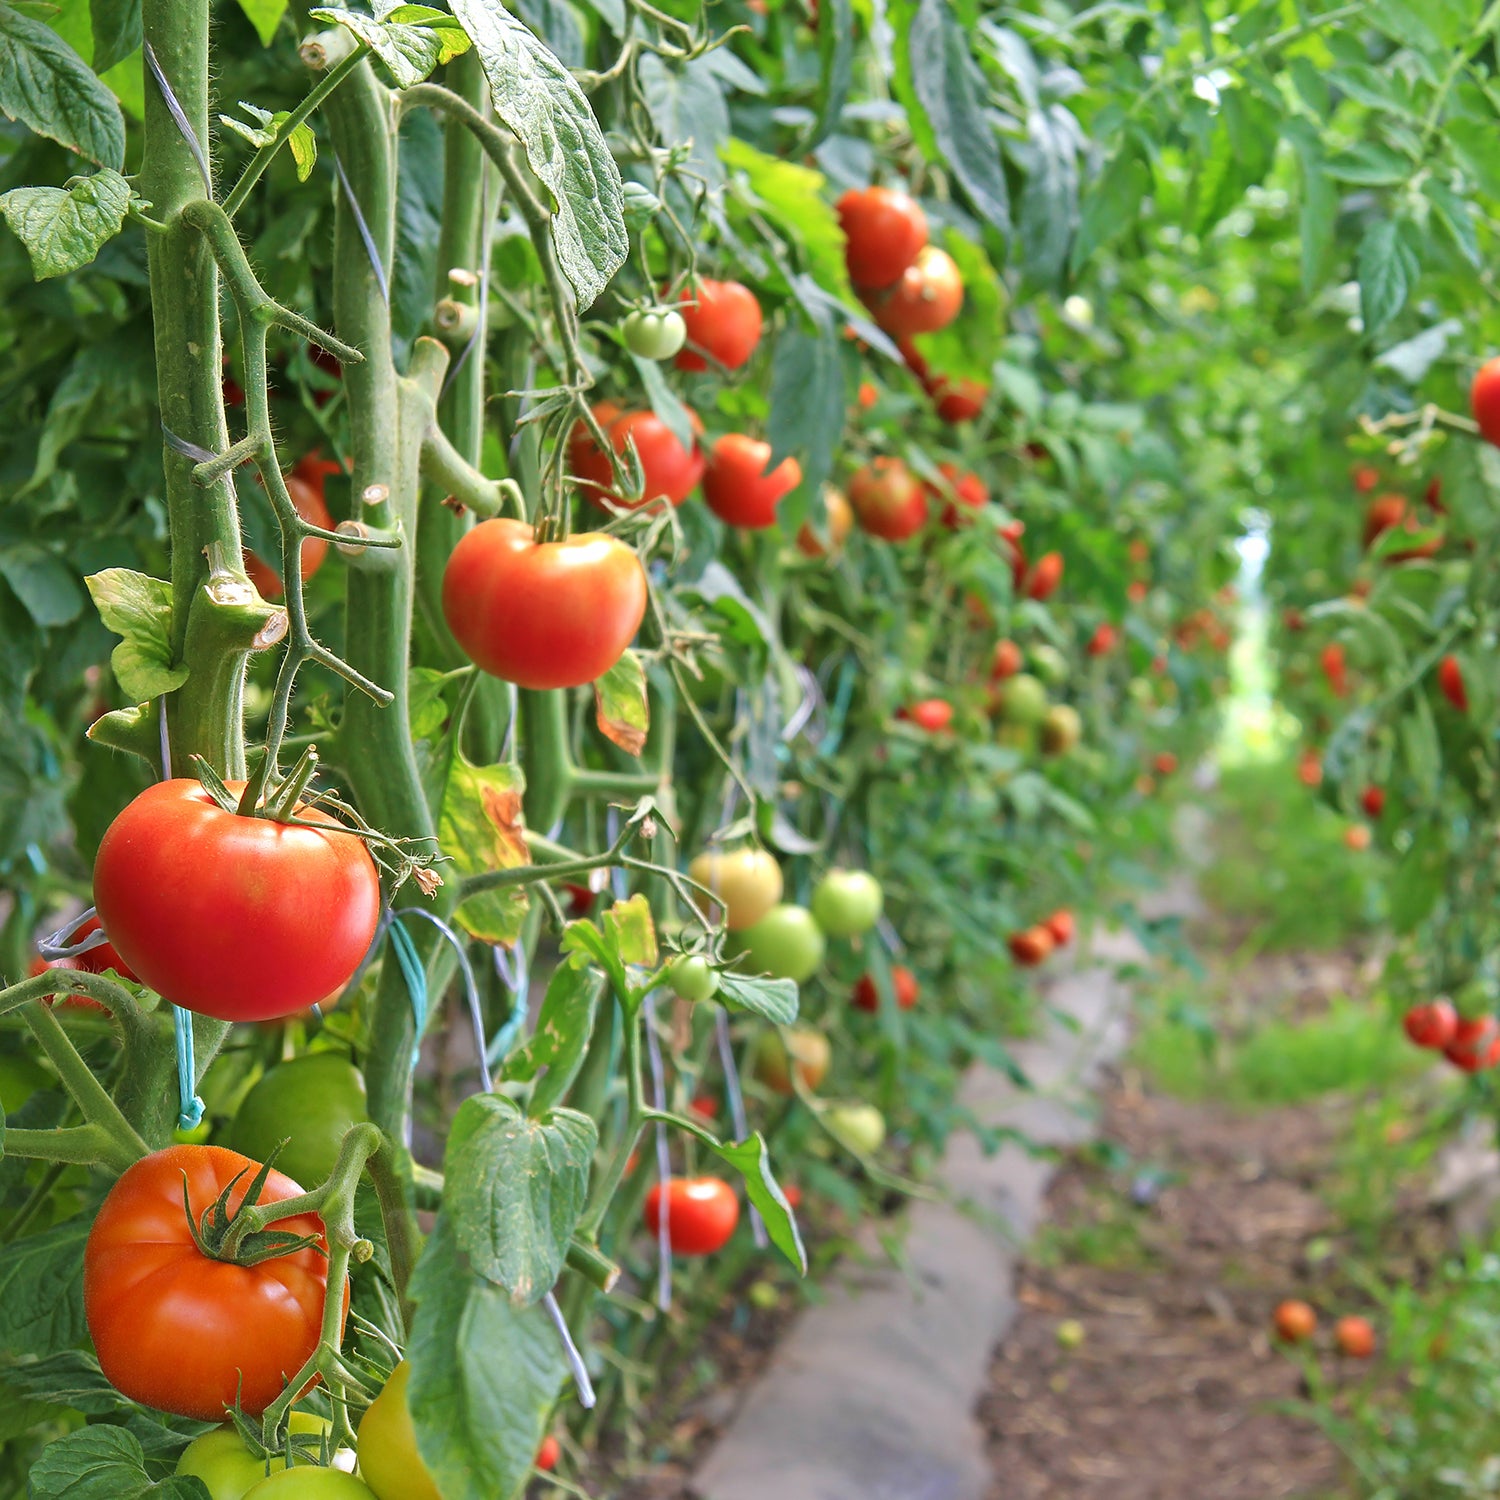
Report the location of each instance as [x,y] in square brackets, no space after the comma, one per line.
[1061,925]
[969,491]
[884,229]
[245,919]
[1450,678]
[838,516]
[1136,592]
[1385,511]
[1045,575]
[1372,799]
[1102,642]
[931,714]
[1433,495]
[548,1454]
[1006,661]
[1310,768]
[1433,1025]
[671,471]
[1365,478]
[925,299]
[887,499]
[1355,1337]
[98,960]
[1334,669]
[1031,947]
[543,614]
[1357,837]
[1164,762]
[1474,1043]
[307,496]
[725,323]
[867,395]
[178,1330]
[957,400]
[903,983]
[701,1213]
[738,487]
[1294,1322]
[1484,400]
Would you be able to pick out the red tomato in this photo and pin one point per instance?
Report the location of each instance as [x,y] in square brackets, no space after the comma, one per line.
[903,984]
[1045,575]
[1372,799]
[1294,620]
[1365,478]
[926,298]
[308,498]
[1433,1025]
[1334,669]
[245,919]
[1102,642]
[1385,511]
[839,519]
[1136,592]
[1484,400]
[884,229]
[725,323]
[1294,1322]
[1139,550]
[1433,495]
[931,714]
[1451,683]
[701,1213]
[1357,837]
[177,1330]
[1355,1337]
[868,395]
[1473,1044]
[543,614]
[548,1454]
[1165,763]
[887,499]
[1310,768]
[958,400]
[969,491]
[671,472]
[1031,947]
[738,487]
[1061,925]
[705,1106]
[95,961]
[1006,661]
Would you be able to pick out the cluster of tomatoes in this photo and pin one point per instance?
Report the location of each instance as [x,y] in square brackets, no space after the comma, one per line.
[1470,1043]
[1035,945]
[1295,1322]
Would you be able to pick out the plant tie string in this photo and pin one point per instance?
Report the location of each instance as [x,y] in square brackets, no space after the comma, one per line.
[190,1106]
[60,944]
[179,114]
[364,232]
[471,990]
[579,1370]
[515,975]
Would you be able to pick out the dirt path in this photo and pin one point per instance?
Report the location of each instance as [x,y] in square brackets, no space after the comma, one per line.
[1170,1245]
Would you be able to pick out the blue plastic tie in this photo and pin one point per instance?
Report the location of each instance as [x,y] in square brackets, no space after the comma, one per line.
[416,979]
[190,1106]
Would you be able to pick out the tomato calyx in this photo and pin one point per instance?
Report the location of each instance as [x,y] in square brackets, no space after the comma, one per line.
[223,1233]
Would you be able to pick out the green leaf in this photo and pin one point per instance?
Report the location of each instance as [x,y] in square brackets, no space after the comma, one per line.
[426,708]
[752,1160]
[686,105]
[1418,880]
[50,89]
[139,609]
[665,402]
[1242,151]
[1388,269]
[411,40]
[43,582]
[774,999]
[936,73]
[116,27]
[631,932]
[1370,164]
[514,1190]
[835,67]
[555,23]
[807,401]
[1049,201]
[1456,215]
[1318,210]
[481,827]
[71,1379]
[303,145]
[556,1048]
[265,16]
[63,228]
[1112,202]
[543,106]
[41,1289]
[1427,25]
[1411,359]
[485,1375]
[103,1463]
[1473,142]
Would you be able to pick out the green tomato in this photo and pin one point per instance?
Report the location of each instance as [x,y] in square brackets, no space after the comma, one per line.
[388,1457]
[786,944]
[1049,663]
[1061,729]
[311,1484]
[861,1127]
[690,977]
[309,1102]
[654,335]
[228,1468]
[846,903]
[1023,700]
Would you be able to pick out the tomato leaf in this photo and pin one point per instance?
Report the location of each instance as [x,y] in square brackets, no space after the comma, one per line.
[1388,269]
[411,40]
[835,67]
[807,407]
[43,582]
[752,1160]
[554,1052]
[63,228]
[621,709]
[543,106]
[265,16]
[515,1187]
[774,999]
[41,1289]
[104,1462]
[49,88]
[484,1376]
[138,608]
[686,104]
[481,828]
[116,25]
[631,931]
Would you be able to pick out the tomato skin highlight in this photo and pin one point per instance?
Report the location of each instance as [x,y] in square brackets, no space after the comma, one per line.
[738,487]
[389,1460]
[1484,400]
[884,230]
[726,323]
[543,614]
[176,1330]
[245,919]
[701,1213]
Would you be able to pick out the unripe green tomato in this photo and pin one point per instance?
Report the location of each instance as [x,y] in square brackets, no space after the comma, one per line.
[389,1459]
[690,977]
[228,1468]
[1049,663]
[861,1127]
[654,335]
[763,1294]
[1140,692]
[1023,700]
[805,1048]
[846,903]
[1061,729]
[311,1484]
[786,944]
[1070,1333]
[309,1102]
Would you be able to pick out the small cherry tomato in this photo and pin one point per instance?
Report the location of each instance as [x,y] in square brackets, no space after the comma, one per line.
[745,882]
[847,902]
[968,491]
[1433,1025]
[903,984]
[1045,575]
[1372,799]
[1061,729]
[1061,925]
[786,944]
[1102,642]
[860,1127]
[931,714]
[701,1213]
[958,400]
[1006,661]
[1294,1322]
[1031,947]
[692,978]
[884,229]
[925,299]
[1354,1337]
[888,500]
[543,614]
[548,1454]
[1484,400]
[654,335]
[776,1053]
[725,323]
[1450,678]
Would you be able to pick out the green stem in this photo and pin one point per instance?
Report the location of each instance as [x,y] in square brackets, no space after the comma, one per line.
[607,1185]
[545,756]
[75,1145]
[90,1095]
[402,1240]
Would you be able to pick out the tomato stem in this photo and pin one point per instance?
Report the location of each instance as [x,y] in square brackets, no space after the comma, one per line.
[607,1185]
